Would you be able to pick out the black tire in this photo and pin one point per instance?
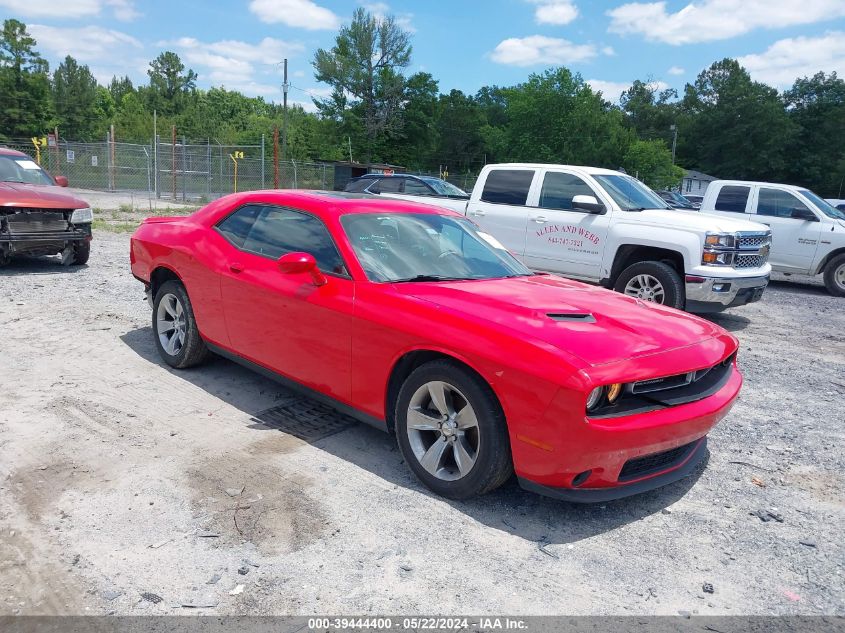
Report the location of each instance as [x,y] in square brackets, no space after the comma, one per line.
[193,350]
[493,464]
[834,268]
[81,252]
[673,286]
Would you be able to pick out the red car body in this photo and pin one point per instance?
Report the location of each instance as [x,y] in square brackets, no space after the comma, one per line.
[344,340]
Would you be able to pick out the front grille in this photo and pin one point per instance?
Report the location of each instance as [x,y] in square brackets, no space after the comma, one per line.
[749,261]
[753,241]
[654,463]
[31,222]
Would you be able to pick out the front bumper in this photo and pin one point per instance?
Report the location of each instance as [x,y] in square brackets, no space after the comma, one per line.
[682,468]
[714,294]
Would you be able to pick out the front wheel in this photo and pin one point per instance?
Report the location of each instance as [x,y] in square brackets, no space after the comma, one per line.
[652,281]
[81,253]
[452,431]
[834,276]
[177,337]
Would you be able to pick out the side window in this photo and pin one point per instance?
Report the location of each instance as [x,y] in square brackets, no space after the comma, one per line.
[357,186]
[778,203]
[388,185]
[416,188]
[278,231]
[507,186]
[236,227]
[559,189]
[732,199]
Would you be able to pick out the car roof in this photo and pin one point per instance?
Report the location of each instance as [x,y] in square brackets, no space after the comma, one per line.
[600,171]
[759,183]
[371,176]
[332,203]
[8,151]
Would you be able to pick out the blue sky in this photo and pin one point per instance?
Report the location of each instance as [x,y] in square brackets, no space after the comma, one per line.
[464,44]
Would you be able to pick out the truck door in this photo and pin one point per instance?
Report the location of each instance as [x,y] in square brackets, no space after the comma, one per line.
[795,236]
[501,208]
[562,239]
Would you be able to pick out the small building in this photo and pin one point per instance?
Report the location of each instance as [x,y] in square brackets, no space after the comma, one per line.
[695,182]
[344,171]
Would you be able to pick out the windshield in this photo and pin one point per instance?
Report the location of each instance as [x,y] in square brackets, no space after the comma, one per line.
[395,247]
[630,194]
[445,188]
[22,169]
[823,205]
[679,199]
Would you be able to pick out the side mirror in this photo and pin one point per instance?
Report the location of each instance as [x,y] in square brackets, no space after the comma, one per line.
[61,181]
[800,213]
[589,204]
[299,263]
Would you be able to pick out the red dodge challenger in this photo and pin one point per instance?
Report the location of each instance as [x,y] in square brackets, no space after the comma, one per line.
[410,318]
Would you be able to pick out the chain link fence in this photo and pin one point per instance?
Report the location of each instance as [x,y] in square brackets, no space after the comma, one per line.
[176,171]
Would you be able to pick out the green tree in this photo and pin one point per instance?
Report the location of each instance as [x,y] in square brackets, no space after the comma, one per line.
[364,68]
[649,110]
[75,97]
[119,86]
[738,128]
[170,83]
[651,162]
[25,104]
[416,143]
[461,145]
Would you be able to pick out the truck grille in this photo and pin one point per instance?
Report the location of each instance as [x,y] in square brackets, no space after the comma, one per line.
[26,221]
[749,261]
[753,241]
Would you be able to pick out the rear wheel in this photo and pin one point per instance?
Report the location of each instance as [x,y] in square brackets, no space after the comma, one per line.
[452,431]
[834,276]
[652,281]
[175,329]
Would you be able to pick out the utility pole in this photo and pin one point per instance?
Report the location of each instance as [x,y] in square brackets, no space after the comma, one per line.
[674,129]
[285,87]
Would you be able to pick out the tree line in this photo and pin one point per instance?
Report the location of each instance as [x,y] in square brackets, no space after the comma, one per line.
[727,124]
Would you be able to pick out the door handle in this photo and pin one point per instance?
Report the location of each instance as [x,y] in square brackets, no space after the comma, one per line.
[236,267]
[540,219]
[477,213]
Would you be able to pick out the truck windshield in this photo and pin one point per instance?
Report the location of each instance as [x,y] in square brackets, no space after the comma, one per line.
[444,188]
[22,169]
[407,247]
[629,193]
[823,205]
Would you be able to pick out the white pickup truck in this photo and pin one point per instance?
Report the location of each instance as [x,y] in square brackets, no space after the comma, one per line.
[808,233]
[606,227]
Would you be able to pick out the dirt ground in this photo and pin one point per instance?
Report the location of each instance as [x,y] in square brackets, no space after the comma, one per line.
[127,487]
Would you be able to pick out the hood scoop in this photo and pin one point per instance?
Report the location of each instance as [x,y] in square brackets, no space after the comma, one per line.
[572,317]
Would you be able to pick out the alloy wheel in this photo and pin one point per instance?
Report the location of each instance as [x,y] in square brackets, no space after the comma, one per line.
[443,430]
[646,287]
[171,324]
[839,276]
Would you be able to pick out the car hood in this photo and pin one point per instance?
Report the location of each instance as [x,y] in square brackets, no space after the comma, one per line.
[596,325]
[16,194]
[685,218]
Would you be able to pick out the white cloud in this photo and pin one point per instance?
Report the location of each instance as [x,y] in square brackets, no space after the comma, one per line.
[676,70]
[554,11]
[303,14]
[235,64]
[612,90]
[380,10]
[608,50]
[539,49]
[86,43]
[788,59]
[710,20]
[123,10]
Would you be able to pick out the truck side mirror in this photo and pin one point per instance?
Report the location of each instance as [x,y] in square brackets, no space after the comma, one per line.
[800,213]
[588,204]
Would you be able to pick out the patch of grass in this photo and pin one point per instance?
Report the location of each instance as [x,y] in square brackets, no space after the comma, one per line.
[114,227]
[125,208]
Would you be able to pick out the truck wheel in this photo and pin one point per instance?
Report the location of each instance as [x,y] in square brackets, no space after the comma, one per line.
[652,281]
[175,330]
[452,432]
[81,252]
[834,276]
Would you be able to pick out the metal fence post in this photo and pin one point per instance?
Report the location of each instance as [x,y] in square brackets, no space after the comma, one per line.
[262,161]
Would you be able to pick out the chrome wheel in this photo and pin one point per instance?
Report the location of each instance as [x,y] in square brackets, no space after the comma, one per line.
[646,287]
[839,277]
[171,324]
[443,430]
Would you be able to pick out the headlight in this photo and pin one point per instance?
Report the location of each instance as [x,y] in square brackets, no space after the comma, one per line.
[715,258]
[613,392]
[720,240]
[594,398]
[82,216]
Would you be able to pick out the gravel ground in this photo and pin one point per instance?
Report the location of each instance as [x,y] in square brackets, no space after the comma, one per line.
[129,488]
